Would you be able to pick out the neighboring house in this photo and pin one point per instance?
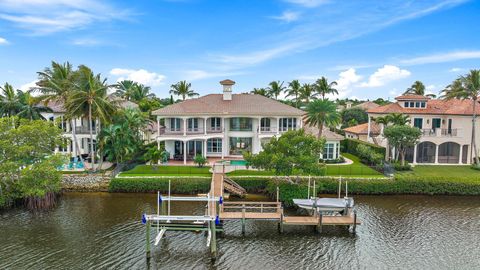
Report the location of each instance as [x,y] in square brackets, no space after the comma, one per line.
[331,149]
[446,127]
[360,132]
[223,125]
[79,126]
[367,105]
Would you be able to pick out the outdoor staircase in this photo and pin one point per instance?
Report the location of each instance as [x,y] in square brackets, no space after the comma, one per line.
[232,187]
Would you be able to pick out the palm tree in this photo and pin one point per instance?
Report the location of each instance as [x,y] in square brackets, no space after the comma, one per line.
[322,112]
[9,100]
[398,119]
[89,98]
[323,88]
[260,91]
[307,92]
[124,88]
[467,87]
[56,83]
[30,107]
[417,88]
[133,91]
[182,88]
[275,88]
[294,89]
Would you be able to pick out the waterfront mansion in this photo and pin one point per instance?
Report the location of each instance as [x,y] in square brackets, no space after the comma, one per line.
[446,127]
[224,125]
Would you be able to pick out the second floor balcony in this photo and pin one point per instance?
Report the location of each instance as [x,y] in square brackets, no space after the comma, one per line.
[442,132]
[190,131]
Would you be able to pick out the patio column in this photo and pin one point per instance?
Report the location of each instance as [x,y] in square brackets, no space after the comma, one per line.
[460,155]
[205,126]
[158,126]
[301,122]
[259,125]
[415,154]
[158,148]
[184,126]
[205,148]
[368,130]
[185,152]
[278,125]
[436,153]
[223,147]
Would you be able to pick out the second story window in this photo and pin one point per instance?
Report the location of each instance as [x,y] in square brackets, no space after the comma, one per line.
[193,124]
[418,123]
[241,124]
[175,124]
[265,124]
[288,124]
[215,124]
[406,104]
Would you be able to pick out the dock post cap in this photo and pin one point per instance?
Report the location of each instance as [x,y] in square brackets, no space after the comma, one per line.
[144,219]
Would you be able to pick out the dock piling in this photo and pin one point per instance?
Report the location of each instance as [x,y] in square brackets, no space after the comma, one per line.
[354,229]
[243,219]
[147,248]
[320,223]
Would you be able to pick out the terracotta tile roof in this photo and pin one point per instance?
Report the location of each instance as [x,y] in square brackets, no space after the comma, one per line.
[227,82]
[241,104]
[434,106]
[363,129]
[326,133]
[367,105]
[57,106]
[412,97]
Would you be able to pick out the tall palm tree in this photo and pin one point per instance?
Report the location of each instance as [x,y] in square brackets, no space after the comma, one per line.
[89,98]
[467,87]
[417,88]
[275,88]
[322,113]
[55,82]
[294,89]
[260,91]
[133,91]
[124,88]
[307,92]
[398,119]
[9,100]
[182,88]
[30,107]
[323,88]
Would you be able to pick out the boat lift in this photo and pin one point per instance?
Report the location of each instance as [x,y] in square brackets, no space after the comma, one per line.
[164,221]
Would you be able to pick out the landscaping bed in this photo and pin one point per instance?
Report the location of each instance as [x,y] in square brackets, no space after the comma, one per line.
[179,185]
[143,170]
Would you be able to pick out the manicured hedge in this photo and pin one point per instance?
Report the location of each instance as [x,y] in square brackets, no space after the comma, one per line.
[179,185]
[350,146]
[252,184]
[168,170]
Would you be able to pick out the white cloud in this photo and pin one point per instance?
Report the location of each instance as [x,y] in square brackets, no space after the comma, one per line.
[384,75]
[140,75]
[393,92]
[430,87]
[41,17]
[456,69]
[308,3]
[27,86]
[287,16]
[345,81]
[3,41]
[86,42]
[442,58]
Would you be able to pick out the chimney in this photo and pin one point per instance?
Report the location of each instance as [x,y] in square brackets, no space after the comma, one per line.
[349,104]
[227,89]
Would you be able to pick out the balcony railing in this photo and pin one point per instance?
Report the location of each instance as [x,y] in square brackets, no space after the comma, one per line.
[214,130]
[190,131]
[268,129]
[84,130]
[444,132]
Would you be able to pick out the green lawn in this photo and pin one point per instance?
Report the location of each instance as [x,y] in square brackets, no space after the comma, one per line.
[357,169]
[442,172]
[147,170]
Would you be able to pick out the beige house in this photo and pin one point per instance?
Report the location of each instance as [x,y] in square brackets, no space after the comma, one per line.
[446,127]
[223,125]
[359,132]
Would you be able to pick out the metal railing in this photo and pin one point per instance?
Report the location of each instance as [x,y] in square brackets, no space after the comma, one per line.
[84,130]
[437,132]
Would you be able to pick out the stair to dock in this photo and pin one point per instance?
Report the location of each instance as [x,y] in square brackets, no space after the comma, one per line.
[233,187]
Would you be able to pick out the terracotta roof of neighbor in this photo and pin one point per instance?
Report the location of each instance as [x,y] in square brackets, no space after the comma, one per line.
[363,129]
[434,106]
[57,106]
[367,105]
[412,97]
[327,133]
[241,104]
[227,82]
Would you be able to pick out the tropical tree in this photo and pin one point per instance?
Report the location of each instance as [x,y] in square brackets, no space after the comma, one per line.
[124,88]
[358,115]
[275,88]
[133,91]
[30,107]
[260,91]
[294,89]
[56,82]
[293,152]
[323,88]
[89,99]
[307,92]
[398,119]
[417,88]
[182,89]
[322,112]
[402,137]
[10,103]
[467,87]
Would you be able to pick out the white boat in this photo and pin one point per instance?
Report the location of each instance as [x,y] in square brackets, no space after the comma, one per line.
[325,204]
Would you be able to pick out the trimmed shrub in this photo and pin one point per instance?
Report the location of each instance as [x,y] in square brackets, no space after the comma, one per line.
[399,167]
[350,146]
[178,185]
[368,156]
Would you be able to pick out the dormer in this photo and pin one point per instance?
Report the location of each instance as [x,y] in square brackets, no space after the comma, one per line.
[412,101]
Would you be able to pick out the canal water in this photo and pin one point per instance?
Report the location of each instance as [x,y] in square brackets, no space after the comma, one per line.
[104,231]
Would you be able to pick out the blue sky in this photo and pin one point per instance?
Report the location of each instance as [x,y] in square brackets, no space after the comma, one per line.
[371,48]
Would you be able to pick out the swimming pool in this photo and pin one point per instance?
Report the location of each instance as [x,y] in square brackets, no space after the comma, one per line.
[235,162]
